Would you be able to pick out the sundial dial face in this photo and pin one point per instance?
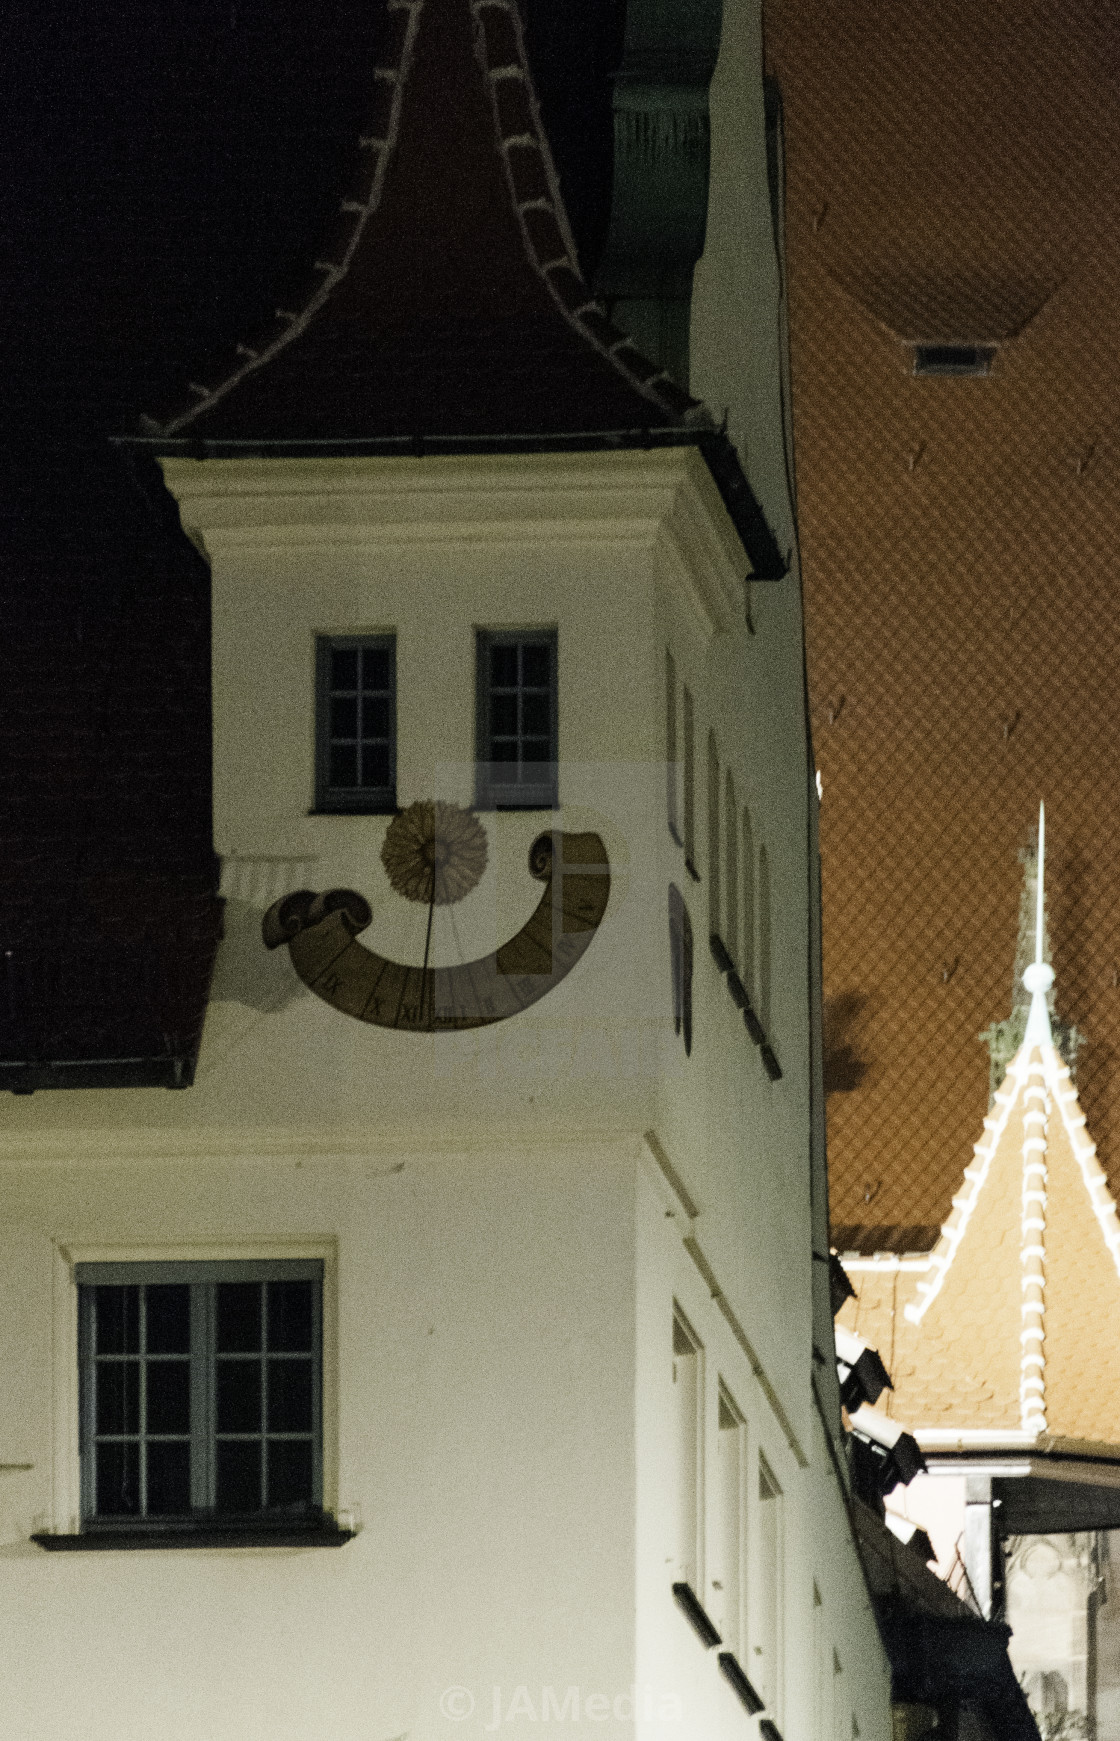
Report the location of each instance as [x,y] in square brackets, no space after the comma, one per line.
[434,854]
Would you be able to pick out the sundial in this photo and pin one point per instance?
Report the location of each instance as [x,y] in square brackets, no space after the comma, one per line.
[434,854]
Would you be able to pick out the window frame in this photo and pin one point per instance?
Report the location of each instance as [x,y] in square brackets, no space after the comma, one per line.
[352,800]
[203,1356]
[491,794]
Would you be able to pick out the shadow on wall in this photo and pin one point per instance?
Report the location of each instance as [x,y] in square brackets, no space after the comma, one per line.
[246,972]
[844,1069]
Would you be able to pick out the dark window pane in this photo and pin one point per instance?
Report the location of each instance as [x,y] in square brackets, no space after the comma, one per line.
[504,750]
[344,716]
[534,715]
[344,765]
[169,1478]
[375,717]
[117,1313]
[289,1396]
[169,1318]
[169,1396]
[344,668]
[503,715]
[118,1481]
[239,1317]
[239,1396]
[290,1316]
[118,1396]
[289,1472]
[503,666]
[534,667]
[375,766]
[239,1476]
[536,750]
[375,668]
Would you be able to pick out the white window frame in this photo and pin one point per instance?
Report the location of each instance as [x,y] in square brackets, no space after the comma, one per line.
[65,1516]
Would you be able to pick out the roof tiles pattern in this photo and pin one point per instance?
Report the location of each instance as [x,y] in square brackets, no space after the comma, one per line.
[961,553]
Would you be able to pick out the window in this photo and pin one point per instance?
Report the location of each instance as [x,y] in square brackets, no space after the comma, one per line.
[517,721]
[356,723]
[748,903]
[731,894]
[672,765]
[727,1573]
[765,962]
[767,1629]
[714,927]
[689,784]
[687,1390]
[953,359]
[680,957]
[200,1393]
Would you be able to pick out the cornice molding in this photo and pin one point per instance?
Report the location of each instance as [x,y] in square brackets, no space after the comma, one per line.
[663,501]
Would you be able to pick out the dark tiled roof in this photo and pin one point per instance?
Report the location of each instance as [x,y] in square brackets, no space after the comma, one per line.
[961,552]
[448,301]
[108,917]
[194,137]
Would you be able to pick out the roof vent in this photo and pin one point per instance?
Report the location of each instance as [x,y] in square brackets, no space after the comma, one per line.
[953,359]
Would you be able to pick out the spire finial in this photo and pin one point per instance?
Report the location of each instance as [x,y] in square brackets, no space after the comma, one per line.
[1039,976]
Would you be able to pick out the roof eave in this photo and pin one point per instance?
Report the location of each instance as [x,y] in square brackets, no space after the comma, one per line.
[767,562]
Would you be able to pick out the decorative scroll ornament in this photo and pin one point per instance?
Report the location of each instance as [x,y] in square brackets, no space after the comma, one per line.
[437,858]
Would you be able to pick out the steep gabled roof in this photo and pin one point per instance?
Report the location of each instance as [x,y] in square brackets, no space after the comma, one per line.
[449,302]
[1004,1334]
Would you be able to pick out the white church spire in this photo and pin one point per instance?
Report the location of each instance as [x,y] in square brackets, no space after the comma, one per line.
[1039,976]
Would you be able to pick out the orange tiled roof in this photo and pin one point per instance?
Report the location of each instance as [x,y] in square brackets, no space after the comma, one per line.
[950,169]
[1003,1334]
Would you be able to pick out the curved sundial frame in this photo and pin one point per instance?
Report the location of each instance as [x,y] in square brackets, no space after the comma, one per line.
[321,932]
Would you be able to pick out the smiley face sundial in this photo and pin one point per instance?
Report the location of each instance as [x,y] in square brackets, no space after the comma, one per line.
[434,854]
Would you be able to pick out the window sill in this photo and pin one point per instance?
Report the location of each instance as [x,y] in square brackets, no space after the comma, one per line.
[689,1601]
[386,807]
[492,801]
[321,1535]
[732,1671]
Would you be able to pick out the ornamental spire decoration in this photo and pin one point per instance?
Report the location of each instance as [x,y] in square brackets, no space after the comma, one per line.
[1039,976]
[1002,1336]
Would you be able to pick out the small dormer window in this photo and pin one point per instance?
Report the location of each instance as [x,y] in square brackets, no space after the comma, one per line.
[356,723]
[953,359]
[517,724]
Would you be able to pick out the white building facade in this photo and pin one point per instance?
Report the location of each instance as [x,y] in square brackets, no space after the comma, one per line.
[436,1364]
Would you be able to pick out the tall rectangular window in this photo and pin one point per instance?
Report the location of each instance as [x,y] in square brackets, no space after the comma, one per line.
[200,1390]
[768,1621]
[517,719]
[356,723]
[727,1572]
[672,765]
[689,783]
[714,917]
[731,894]
[687,1393]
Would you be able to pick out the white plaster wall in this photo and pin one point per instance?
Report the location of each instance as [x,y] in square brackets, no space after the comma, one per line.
[484,1430]
[817,1556]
